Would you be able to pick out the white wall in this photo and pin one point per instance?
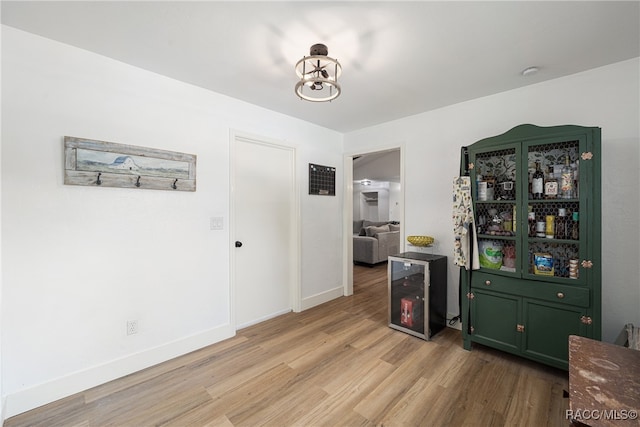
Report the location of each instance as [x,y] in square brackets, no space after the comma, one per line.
[395,202]
[607,97]
[78,262]
[372,211]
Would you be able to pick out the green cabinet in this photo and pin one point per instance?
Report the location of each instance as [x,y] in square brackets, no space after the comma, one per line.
[536,201]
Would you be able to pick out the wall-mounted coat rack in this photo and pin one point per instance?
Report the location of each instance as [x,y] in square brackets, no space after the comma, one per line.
[108,164]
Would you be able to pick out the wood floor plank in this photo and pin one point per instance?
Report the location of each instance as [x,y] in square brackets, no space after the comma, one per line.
[396,385]
[292,403]
[529,404]
[344,393]
[271,359]
[413,407]
[338,364]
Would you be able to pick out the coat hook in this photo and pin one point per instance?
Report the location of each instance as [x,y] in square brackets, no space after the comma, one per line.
[138,181]
[98,182]
[174,186]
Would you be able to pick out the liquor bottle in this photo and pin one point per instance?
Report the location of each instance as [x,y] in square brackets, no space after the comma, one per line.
[550,228]
[537,183]
[575,226]
[566,186]
[551,185]
[561,224]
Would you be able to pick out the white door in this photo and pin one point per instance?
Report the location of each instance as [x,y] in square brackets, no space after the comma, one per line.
[264,258]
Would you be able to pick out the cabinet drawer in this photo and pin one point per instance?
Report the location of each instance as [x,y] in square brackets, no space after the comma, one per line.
[561,294]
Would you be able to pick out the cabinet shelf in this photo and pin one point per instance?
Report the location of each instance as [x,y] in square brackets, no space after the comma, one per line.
[558,241]
[496,202]
[533,201]
[494,237]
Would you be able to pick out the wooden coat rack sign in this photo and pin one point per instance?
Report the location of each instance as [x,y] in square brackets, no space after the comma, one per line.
[107,164]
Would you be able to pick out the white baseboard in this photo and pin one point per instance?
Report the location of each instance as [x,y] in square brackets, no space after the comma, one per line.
[321,298]
[2,411]
[41,394]
[262,319]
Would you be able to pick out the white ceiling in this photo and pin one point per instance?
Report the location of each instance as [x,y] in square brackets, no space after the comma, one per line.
[379,166]
[398,58]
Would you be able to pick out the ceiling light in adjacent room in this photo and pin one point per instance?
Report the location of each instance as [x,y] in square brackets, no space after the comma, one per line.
[530,71]
[318,75]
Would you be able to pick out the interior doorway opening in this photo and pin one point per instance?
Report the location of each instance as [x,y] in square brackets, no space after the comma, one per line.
[374,194]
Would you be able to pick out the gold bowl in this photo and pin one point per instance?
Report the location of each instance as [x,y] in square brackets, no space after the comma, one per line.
[420,240]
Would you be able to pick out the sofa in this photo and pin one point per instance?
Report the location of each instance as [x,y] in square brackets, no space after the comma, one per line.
[374,241]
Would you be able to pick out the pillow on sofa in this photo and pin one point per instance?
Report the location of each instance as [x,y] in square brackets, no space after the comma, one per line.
[373,231]
[394,227]
[366,223]
[357,226]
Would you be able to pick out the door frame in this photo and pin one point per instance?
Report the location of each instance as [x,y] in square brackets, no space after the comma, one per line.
[294,227]
[347,224]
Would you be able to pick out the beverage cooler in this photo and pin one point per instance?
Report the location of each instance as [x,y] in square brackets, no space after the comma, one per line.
[418,293]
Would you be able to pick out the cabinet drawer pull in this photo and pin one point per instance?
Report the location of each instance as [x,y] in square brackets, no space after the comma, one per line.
[560,295]
[487,282]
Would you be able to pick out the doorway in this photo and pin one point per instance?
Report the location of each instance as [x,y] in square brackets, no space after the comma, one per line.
[265,232]
[374,190]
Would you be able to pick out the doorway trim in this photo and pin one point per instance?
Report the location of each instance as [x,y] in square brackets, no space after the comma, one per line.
[347,225]
[294,227]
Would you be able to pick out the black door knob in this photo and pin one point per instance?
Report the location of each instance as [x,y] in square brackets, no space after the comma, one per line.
[238,244]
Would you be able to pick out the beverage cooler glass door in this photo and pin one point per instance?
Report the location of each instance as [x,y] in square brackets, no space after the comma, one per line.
[408,301]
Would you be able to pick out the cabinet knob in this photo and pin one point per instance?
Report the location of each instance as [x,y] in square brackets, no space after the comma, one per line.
[560,295]
[488,282]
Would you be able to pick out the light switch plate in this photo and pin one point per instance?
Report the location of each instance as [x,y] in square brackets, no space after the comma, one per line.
[217,223]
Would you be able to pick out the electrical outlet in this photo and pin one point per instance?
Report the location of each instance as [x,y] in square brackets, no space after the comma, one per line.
[132,327]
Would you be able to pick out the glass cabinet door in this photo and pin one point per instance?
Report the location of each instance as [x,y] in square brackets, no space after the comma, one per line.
[496,193]
[551,184]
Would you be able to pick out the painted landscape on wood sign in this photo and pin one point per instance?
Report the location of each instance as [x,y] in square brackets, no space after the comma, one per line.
[103,161]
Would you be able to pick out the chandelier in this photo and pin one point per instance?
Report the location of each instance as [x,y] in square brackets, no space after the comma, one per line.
[318,75]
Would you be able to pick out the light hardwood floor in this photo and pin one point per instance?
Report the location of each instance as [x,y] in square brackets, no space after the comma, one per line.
[338,364]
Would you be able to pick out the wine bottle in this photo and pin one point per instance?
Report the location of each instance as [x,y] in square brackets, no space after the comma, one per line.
[537,183]
[532,224]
